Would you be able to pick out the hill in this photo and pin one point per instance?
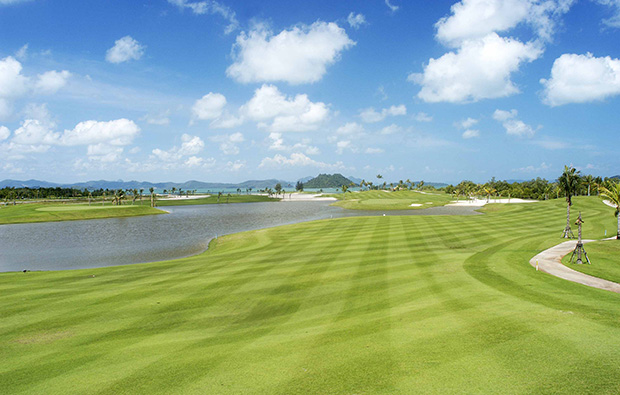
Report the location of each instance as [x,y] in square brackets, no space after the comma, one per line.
[328,181]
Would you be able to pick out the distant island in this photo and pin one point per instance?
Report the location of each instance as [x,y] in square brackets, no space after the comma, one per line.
[328,181]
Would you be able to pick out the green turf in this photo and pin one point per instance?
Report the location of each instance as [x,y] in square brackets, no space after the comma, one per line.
[36,212]
[213,200]
[385,200]
[410,304]
[604,257]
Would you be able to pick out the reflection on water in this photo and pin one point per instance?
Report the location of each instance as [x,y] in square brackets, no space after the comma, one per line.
[185,231]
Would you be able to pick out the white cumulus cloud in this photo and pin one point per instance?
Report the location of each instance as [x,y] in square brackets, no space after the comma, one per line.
[277,113]
[117,132]
[513,126]
[479,69]
[4,133]
[228,142]
[51,81]
[124,49]
[209,107]
[190,145]
[297,159]
[581,78]
[299,55]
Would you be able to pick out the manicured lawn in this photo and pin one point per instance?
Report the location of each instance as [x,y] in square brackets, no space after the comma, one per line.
[213,200]
[605,258]
[383,200]
[35,212]
[394,304]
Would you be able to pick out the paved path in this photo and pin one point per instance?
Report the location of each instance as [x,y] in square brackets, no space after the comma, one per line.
[549,261]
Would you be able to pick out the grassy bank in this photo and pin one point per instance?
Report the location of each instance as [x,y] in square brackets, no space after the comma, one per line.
[384,200]
[605,258]
[389,304]
[214,200]
[35,212]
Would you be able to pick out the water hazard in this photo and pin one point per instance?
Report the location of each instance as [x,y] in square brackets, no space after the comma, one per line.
[186,231]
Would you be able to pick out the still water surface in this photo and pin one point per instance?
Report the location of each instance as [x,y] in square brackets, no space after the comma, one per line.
[185,231]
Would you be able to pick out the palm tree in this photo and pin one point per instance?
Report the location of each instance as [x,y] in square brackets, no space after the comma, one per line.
[420,184]
[141,191]
[174,189]
[151,189]
[134,194]
[569,183]
[588,180]
[613,195]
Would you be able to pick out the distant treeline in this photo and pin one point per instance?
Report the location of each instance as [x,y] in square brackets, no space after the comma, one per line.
[58,193]
[539,188]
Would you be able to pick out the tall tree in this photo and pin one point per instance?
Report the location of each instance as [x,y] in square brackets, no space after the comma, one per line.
[569,184]
[613,195]
[151,189]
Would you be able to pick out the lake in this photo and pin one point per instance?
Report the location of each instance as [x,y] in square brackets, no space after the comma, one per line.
[186,231]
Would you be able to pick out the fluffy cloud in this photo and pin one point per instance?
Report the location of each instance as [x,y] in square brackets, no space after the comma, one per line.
[228,142]
[471,133]
[4,133]
[236,165]
[124,49]
[51,81]
[35,132]
[297,56]
[356,20]
[513,126]
[297,159]
[12,82]
[581,78]
[118,132]
[343,145]
[480,69]
[209,107]
[296,114]
[474,19]
[210,7]
[190,145]
[370,115]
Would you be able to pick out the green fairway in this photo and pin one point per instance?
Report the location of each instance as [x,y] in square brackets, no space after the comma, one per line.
[385,200]
[214,200]
[394,304]
[34,212]
[605,257]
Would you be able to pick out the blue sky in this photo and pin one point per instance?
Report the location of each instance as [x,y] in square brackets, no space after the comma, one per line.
[172,90]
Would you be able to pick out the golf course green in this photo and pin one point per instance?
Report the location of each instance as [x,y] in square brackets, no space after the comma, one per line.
[386,304]
[388,200]
[36,212]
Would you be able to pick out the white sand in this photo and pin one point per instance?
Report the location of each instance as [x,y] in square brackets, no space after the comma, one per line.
[482,202]
[177,197]
[306,197]
[415,204]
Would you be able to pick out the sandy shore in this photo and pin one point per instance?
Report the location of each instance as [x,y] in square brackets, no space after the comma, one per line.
[306,197]
[177,197]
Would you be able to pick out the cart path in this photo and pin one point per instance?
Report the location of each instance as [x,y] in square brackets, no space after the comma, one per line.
[550,261]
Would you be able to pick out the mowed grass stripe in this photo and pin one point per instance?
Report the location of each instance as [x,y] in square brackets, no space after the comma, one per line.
[270,309]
